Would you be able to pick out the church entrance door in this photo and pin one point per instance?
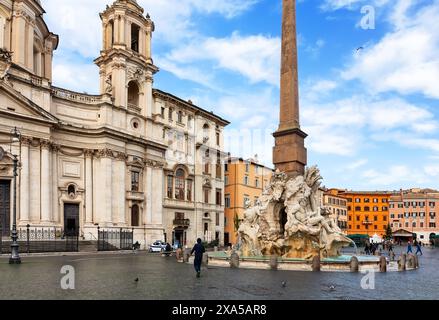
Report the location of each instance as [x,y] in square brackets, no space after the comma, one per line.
[5,207]
[71,219]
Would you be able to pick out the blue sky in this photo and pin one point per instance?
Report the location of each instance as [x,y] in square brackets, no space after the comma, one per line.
[372,115]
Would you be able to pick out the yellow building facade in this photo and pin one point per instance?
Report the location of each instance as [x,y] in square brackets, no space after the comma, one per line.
[245,180]
[337,205]
[368,211]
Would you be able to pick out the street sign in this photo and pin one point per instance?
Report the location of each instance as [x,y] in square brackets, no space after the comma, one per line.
[2,153]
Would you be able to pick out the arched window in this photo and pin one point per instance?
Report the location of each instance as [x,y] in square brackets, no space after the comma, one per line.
[133,94]
[135,31]
[135,215]
[179,184]
[206,132]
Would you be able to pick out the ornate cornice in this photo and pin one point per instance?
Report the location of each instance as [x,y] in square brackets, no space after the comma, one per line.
[154,164]
[105,153]
[56,147]
[122,156]
[45,144]
[88,153]
[26,141]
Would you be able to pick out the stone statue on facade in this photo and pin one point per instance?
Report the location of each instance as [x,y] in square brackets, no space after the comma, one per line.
[109,86]
[5,63]
[289,221]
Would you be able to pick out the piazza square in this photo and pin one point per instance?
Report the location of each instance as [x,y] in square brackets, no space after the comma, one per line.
[188,153]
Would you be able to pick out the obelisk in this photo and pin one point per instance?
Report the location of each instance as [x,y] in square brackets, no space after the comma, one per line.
[289,153]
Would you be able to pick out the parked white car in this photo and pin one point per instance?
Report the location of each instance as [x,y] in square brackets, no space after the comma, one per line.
[157,246]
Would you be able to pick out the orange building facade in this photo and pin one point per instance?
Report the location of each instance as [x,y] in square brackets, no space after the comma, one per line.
[415,211]
[368,212]
[245,180]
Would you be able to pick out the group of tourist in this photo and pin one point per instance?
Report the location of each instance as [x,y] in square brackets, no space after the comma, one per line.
[371,248]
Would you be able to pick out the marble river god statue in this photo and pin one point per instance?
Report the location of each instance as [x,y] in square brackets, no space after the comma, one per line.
[288,221]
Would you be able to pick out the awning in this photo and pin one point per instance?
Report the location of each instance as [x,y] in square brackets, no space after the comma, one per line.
[401,235]
[351,236]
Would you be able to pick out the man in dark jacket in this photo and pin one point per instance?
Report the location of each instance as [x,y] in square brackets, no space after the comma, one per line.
[199,250]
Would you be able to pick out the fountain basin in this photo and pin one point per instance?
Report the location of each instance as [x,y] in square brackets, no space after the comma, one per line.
[340,263]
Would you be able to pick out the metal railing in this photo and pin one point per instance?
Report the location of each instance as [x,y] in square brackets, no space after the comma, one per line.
[114,239]
[38,239]
[182,222]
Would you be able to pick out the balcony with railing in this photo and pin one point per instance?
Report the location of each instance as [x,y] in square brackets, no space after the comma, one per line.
[134,108]
[78,97]
[182,222]
[367,222]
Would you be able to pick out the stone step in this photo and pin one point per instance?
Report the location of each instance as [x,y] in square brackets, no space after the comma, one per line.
[87,246]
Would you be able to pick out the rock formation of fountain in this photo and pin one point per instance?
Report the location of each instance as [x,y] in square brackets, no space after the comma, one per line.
[288,221]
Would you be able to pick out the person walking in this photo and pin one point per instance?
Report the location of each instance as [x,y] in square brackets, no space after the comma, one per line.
[199,250]
[409,248]
[418,248]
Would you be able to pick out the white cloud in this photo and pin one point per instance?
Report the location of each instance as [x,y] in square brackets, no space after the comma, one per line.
[342,127]
[254,117]
[394,175]
[191,73]
[255,57]
[76,76]
[432,170]
[80,29]
[317,89]
[405,60]
[357,164]
[332,5]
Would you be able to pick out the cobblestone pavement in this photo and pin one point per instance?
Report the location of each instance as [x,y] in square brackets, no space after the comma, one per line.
[113,276]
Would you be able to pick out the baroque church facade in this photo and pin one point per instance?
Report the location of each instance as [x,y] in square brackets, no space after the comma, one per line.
[130,157]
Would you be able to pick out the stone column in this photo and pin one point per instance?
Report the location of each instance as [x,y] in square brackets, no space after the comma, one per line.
[55,200]
[141,42]
[157,195]
[122,189]
[34,184]
[148,53]
[24,181]
[45,181]
[122,30]
[128,34]
[104,36]
[30,45]
[147,112]
[117,30]
[88,187]
[104,187]
[150,191]
[19,36]
[119,85]
[2,32]
[48,62]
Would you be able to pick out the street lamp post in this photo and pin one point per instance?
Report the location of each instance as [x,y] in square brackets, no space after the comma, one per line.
[15,256]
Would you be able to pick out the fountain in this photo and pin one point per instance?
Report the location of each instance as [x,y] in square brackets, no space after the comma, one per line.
[289,223]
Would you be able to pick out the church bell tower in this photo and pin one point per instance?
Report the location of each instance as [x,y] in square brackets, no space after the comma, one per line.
[125,64]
